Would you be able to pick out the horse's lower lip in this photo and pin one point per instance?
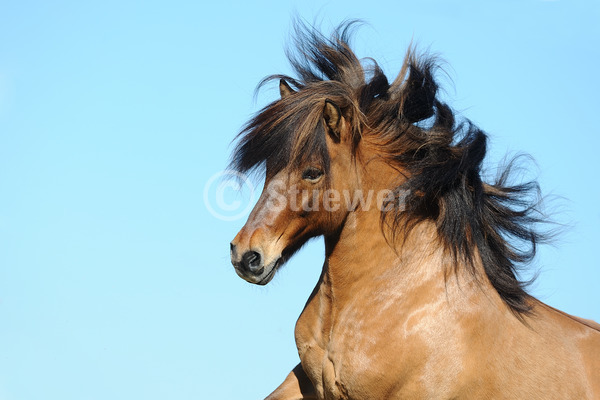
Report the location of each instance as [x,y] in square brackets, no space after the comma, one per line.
[271,273]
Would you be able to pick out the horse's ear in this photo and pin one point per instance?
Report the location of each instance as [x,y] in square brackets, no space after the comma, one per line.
[333,118]
[285,89]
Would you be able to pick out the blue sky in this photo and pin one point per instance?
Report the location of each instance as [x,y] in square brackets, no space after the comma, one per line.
[115,281]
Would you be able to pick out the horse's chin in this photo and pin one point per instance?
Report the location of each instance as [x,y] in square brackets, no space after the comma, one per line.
[266,276]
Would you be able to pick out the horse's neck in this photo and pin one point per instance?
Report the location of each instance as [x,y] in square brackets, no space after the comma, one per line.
[361,262]
[361,258]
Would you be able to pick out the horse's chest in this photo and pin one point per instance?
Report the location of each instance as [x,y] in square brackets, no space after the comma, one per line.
[344,376]
[357,362]
[368,354]
[351,351]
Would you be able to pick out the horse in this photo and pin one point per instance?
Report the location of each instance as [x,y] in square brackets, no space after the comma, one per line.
[419,295]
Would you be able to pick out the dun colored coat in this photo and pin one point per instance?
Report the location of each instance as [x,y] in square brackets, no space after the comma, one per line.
[419,297]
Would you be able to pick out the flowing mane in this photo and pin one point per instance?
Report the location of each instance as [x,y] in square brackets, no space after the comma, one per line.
[393,314]
[441,158]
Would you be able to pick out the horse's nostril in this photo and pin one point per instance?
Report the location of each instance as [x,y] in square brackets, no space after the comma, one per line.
[232,248]
[252,260]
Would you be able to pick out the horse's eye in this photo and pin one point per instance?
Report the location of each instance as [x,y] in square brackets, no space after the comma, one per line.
[312,174]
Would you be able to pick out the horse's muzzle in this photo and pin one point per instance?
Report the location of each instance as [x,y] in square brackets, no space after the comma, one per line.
[250,266]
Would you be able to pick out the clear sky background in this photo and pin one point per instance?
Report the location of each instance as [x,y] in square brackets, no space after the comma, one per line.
[115,280]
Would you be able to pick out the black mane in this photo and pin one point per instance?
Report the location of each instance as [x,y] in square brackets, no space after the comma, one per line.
[416,131]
